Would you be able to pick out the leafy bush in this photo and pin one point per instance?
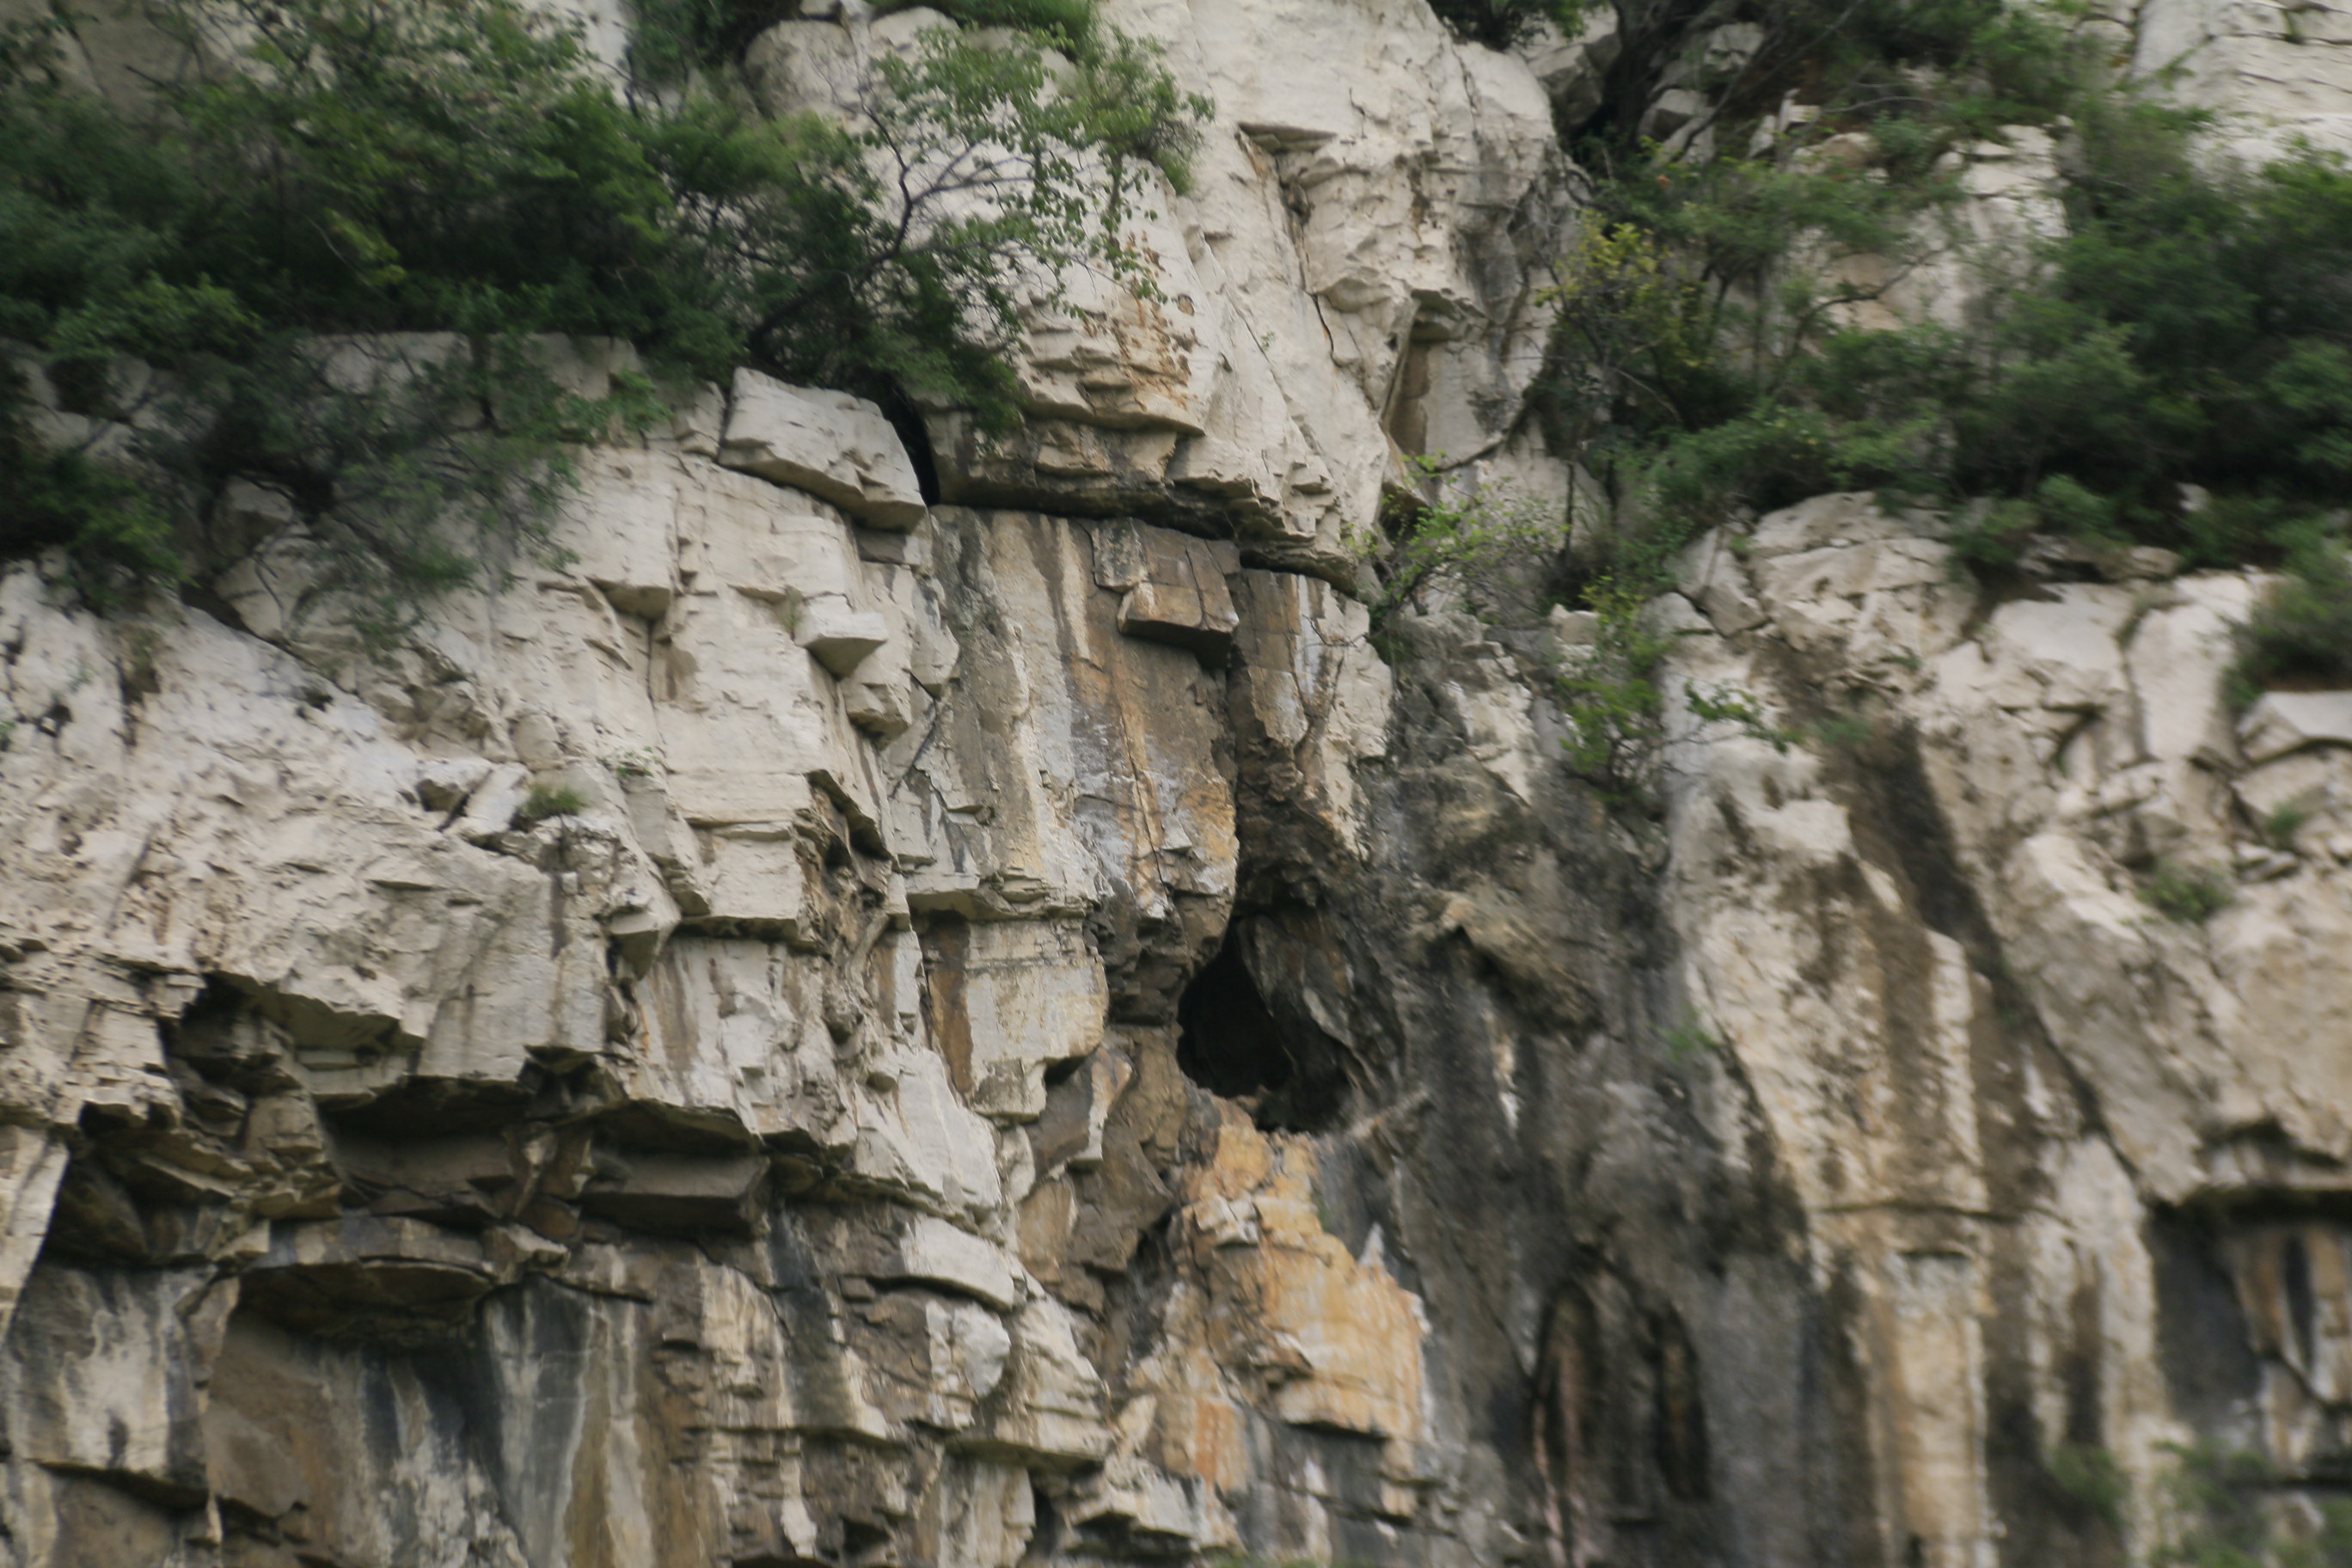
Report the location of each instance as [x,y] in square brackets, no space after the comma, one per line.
[2189,894]
[1464,536]
[670,41]
[2282,823]
[2092,1477]
[2211,1508]
[462,167]
[2302,631]
[2216,1503]
[2176,369]
[1616,709]
[1500,23]
[550,800]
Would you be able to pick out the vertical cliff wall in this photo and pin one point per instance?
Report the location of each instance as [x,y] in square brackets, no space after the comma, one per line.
[969,1017]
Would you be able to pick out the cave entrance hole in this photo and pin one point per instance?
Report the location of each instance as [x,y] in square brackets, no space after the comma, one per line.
[1232,1042]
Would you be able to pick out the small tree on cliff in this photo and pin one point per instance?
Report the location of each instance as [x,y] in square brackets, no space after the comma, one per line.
[465,167]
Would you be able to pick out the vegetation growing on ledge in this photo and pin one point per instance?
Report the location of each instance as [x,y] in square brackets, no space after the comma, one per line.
[463,167]
[1500,23]
[2302,633]
[1464,537]
[2174,368]
[2189,894]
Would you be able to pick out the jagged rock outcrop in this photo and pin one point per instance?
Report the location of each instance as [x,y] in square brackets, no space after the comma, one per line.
[679,1059]
[2068,1144]
[951,1008]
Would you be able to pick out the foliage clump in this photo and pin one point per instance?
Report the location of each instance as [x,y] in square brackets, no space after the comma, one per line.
[463,176]
[2189,894]
[2092,1477]
[1616,705]
[547,800]
[1439,532]
[2217,1500]
[1609,691]
[2301,632]
[1500,23]
[2191,327]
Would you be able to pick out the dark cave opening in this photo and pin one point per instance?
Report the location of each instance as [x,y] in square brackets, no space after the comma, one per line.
[1291,1075]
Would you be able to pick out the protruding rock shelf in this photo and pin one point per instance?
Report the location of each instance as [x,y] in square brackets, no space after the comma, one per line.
[820,1026]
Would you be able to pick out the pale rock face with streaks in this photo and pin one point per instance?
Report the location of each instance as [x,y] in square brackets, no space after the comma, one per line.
[953,1008]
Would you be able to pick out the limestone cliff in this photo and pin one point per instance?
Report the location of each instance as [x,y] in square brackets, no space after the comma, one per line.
[966,1014]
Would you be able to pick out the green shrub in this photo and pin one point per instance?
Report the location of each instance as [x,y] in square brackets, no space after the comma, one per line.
[2282,823]
[1844,732]
[1070,23]
[2091,1477]
[1464,536]
[2189,894]
[2302,630]
[670,41]
[463,167]
[2215,1512]
[550,800]
[673,41]
[2190,329]
[1610,693]
[1500,23]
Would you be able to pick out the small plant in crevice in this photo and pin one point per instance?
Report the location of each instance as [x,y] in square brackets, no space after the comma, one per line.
[550,800]
[1844,732]
[1462,538]
[634,764]
[2280,824]
[1726,704]
[1694,1039]
[1610,695]
[2093,1478]
[2189,894]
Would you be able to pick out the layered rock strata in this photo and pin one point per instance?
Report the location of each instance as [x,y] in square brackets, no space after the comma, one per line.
[950,1007]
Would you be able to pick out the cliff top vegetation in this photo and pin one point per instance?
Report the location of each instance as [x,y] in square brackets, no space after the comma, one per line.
[183,266]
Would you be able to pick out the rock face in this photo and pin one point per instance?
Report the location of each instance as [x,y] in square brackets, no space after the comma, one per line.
[684,1059]
[959,1012]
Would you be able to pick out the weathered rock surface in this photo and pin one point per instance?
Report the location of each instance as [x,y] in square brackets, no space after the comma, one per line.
[2069,1155]
[836,1028]
[1354,264]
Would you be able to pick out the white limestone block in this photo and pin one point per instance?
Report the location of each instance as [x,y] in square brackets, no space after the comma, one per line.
[2284,722]
[936,1253]
[837,447]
